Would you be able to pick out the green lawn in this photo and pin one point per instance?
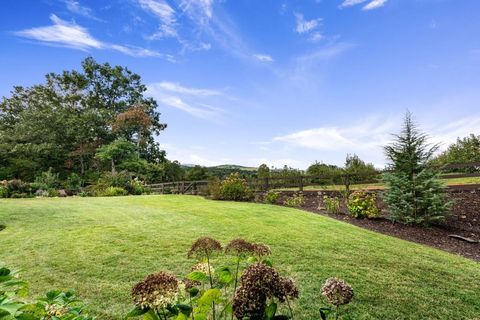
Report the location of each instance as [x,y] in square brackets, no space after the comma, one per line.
[102,246]
[367,186]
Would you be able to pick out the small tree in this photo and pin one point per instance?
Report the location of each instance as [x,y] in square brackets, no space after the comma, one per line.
[263,171]
[116,152]
[415,194]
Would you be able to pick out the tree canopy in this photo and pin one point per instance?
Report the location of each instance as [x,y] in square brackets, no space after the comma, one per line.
[61,123]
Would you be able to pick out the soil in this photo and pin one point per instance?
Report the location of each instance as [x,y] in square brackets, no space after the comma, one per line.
[465,223]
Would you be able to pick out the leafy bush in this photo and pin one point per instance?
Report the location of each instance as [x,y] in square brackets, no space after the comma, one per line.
[362,204]
[271,197]
[297,200]
[332,204]
[235,188]
[214,188]
[48,179]
[74,182]
[136,187]
[248,287]
[119,179]
[56,305]
[114,192]
[17,186]
[3,192]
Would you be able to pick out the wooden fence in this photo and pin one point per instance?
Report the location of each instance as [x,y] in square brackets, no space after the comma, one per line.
[452,171]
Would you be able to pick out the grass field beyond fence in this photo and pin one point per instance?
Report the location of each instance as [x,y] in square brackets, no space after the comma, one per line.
[102,246]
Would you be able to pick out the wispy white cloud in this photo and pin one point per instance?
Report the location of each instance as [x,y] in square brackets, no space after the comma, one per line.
[69,34]
[367,134]
[305,26]
[167,16]
[350,3]
[177,88]
[193,101]
[76,8]
[372,4]
[263,57]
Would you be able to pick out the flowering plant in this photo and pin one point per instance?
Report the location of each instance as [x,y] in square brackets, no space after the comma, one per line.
[247,288]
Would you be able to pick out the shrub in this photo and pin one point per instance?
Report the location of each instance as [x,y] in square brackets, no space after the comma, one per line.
[297,200]
[3,192]
[74,182]
[119,179]
[136,187]
[48,179]
[235,188]
[362,204]
[271,197]
[17,186]
[114,192]
[214,188]
[332,204]
[167,190]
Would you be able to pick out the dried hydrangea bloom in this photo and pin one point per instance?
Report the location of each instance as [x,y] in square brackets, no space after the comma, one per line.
[260,282]
[156,291]
[203,267]
[239,246]
[261,250]
[289,289]
[204,247]
[191,283]
[249,302]
[337,292]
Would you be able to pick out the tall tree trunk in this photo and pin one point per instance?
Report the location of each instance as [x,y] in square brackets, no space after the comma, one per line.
[113,166]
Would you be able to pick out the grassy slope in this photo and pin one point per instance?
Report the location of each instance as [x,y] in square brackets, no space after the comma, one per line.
[366,186]
[102,246]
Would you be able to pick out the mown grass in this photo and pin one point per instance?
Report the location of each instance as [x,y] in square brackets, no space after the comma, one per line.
[379,185]
[102,246]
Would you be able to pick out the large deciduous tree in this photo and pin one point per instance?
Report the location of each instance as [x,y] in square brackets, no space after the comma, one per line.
[61,123]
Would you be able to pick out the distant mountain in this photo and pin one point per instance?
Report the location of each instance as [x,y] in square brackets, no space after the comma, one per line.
[235,167]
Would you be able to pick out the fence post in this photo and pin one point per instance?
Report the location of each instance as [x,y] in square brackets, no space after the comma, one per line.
[300,184]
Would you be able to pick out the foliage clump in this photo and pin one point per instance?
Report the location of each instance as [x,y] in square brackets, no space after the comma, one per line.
[415,194]
[363,204]
[233,188]
[271,197]
[295,201]
[332,204]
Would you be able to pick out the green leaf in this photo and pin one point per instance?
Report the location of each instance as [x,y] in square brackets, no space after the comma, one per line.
[151,315]
[185,309]
[210,296]
[11,308]
[4,272]
[193,291]
[197,276]
[137,311]
[270,311]
[268,262]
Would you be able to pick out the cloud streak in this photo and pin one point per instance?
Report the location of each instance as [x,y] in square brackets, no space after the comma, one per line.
[372,4]
[193,101]
[75,7]
[68,34]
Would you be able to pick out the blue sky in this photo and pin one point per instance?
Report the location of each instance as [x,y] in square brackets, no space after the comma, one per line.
[276,82]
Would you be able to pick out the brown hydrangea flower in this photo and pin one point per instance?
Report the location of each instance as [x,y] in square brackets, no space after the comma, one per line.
[204,247]
[191,284]
[337,292]
[260,282]
[261,250]
[289,289]
[238,247]
[156,291]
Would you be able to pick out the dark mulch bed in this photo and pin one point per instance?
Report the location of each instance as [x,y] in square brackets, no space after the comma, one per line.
[435,237]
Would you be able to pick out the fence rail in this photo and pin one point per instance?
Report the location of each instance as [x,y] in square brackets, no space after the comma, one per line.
[300,182]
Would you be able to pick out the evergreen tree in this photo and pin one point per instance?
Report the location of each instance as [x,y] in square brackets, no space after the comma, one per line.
[415,194]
